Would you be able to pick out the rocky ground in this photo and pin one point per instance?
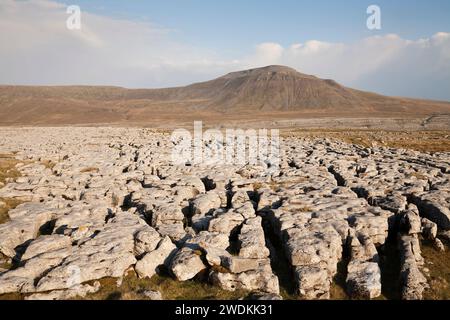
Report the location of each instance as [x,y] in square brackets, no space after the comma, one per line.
[87,210]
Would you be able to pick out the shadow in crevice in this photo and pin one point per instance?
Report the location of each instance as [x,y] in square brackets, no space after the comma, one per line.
[338,290]
[390,266]
[279,261]
[19,250]
[209,184]
[235,244]
[47,228]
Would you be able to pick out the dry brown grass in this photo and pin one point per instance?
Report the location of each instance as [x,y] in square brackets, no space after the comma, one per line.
[11,297]
[7,170]
[276,185]
[257,186]
[90,170]
[9,204]
[439,265]
[419,176]
[48,164]
[423,141]
[338,290]
[4,263]
[3,214]
[7,167]
[132,288]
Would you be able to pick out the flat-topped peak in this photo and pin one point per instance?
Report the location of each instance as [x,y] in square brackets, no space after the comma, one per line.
[272,69]
[277,68]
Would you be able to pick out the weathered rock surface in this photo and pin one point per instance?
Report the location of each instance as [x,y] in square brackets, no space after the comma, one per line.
[429,229]
[412,280]
[261,279]
[153,295]
[148,265]
[78,292]
[146,241]
[114,201]
[364,279]
[363,271]
[25,222]
[186,264]
[46,244]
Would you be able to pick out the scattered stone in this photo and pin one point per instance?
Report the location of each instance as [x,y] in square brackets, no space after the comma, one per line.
[186,264]
[146,241]
[429,229]
[439,245]
[261,279]
[153,295]
[265,297]
[147,267]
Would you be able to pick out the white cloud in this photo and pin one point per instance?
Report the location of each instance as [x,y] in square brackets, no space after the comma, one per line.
[267,53]
[37,48]
[386,64]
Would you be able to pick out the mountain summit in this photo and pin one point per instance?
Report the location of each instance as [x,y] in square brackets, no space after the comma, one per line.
[275,88]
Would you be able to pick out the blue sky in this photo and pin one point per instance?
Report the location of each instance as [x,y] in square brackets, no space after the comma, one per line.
[145,43]
[237,25]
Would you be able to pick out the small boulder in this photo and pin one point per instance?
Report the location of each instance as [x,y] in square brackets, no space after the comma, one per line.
[429,229]
[148,265]
[186,264]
